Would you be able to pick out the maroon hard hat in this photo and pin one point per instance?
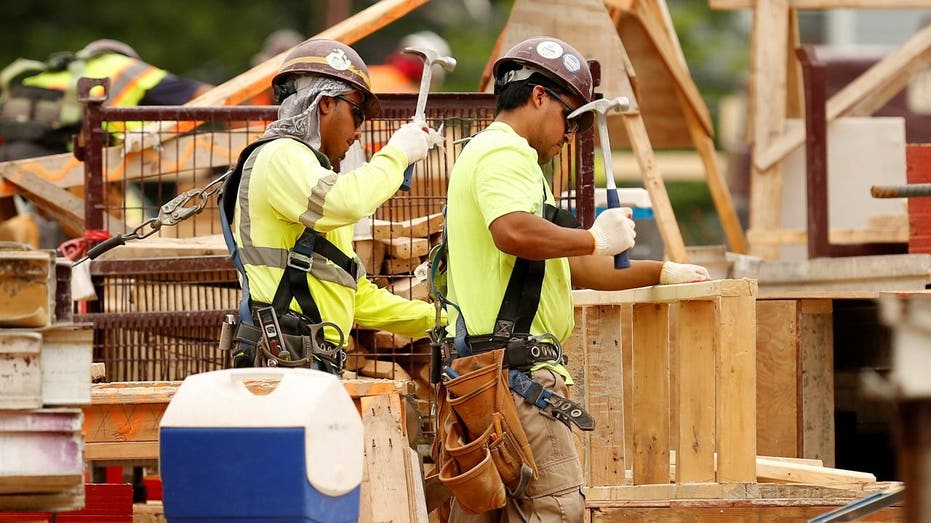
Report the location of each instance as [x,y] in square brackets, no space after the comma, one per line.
[335,60]
[553,58]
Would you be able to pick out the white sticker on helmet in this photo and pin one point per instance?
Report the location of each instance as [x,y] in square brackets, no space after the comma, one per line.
[571,63]
[549,49]
[338,60]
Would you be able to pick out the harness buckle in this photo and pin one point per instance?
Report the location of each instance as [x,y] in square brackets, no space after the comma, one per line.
[300,261]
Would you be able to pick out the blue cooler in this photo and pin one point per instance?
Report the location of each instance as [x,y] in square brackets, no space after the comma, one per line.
[231,455]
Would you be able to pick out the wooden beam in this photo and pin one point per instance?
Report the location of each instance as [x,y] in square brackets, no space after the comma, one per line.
[825,4]
[768,77]
[708,290]
[653,182]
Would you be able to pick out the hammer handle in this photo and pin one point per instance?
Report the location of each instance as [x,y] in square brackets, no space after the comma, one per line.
[622,260]
[408,173]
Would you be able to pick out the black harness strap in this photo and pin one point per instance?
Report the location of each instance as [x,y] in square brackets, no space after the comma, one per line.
[522,296]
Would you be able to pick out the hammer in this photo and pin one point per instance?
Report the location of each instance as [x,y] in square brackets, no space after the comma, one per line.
[429,57]
[601,107]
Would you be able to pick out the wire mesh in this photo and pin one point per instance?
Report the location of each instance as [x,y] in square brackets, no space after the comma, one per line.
[158,314]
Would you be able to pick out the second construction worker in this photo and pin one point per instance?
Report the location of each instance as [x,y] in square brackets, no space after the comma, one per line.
[513,259]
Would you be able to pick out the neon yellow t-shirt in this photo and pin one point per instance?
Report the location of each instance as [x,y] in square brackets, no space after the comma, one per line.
[496,174]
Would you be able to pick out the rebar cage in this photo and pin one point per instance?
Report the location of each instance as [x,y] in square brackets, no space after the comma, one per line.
[159,309]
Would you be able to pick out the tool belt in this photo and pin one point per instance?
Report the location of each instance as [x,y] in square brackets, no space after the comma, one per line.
[303,344]
[521,353]
[481,450]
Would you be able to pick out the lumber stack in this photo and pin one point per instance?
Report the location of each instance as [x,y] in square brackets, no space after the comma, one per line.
[45,376]
[395,258]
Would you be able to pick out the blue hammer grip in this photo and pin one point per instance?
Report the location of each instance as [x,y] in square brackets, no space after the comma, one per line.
[622,260]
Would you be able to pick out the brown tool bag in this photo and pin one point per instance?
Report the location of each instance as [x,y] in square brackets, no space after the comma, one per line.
[481,449]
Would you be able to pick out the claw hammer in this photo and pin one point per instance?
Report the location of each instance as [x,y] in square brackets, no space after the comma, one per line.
[429,57]
[601,107]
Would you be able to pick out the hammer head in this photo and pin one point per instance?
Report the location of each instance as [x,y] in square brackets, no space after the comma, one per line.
[603,106]
[430,57]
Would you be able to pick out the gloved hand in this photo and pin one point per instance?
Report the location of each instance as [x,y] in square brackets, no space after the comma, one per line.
[415,139]
[613,231]
[682,273]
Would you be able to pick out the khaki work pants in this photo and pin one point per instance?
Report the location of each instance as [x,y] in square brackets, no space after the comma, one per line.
[556,496]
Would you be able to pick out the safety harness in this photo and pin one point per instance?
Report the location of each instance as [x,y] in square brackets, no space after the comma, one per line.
[512,327]
[302,334]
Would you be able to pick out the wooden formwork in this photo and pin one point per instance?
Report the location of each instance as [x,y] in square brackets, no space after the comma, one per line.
[670,375]
[687,384]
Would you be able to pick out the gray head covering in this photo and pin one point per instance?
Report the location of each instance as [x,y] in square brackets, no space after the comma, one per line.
[297,114]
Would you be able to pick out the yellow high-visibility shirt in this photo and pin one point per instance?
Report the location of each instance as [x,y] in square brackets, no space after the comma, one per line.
[496,174]
[286,189]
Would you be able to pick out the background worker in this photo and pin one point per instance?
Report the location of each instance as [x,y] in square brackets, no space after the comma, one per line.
[498,197]
[40,112]
[401,72]
[292,186]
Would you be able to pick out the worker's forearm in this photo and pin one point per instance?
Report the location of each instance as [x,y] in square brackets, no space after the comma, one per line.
[533,238]
[598,273]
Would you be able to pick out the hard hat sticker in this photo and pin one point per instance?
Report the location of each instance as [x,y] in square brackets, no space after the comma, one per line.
[571,63]
[549,49]
[338,60]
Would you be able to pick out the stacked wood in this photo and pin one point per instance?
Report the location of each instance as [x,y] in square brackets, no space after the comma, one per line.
[396,259]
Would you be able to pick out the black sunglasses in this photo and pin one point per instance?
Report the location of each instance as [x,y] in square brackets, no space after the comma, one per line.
[358,115]
[572,126]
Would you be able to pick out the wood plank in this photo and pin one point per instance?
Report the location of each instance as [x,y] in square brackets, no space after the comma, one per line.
[575,349]
[717,185]
[696,341]
[605,395]
[888,234]
[372,254]
[650,424]
[777,432]
[420,227]
[400,265]
[735,377]
[774,470]
[406,247]
[668,293]
[674,247]
[816,374]
[384,483]
[768,77]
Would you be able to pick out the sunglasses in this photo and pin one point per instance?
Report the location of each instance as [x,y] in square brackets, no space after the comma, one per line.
[358,115]
[572,126]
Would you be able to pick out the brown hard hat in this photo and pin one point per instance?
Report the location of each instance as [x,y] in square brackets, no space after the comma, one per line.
[335,60]
[553,58]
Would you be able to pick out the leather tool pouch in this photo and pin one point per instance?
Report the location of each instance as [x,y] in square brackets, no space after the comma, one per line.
[481,448]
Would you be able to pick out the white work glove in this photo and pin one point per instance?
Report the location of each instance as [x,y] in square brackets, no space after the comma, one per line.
[613,231]
[415,139]
[682,273]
